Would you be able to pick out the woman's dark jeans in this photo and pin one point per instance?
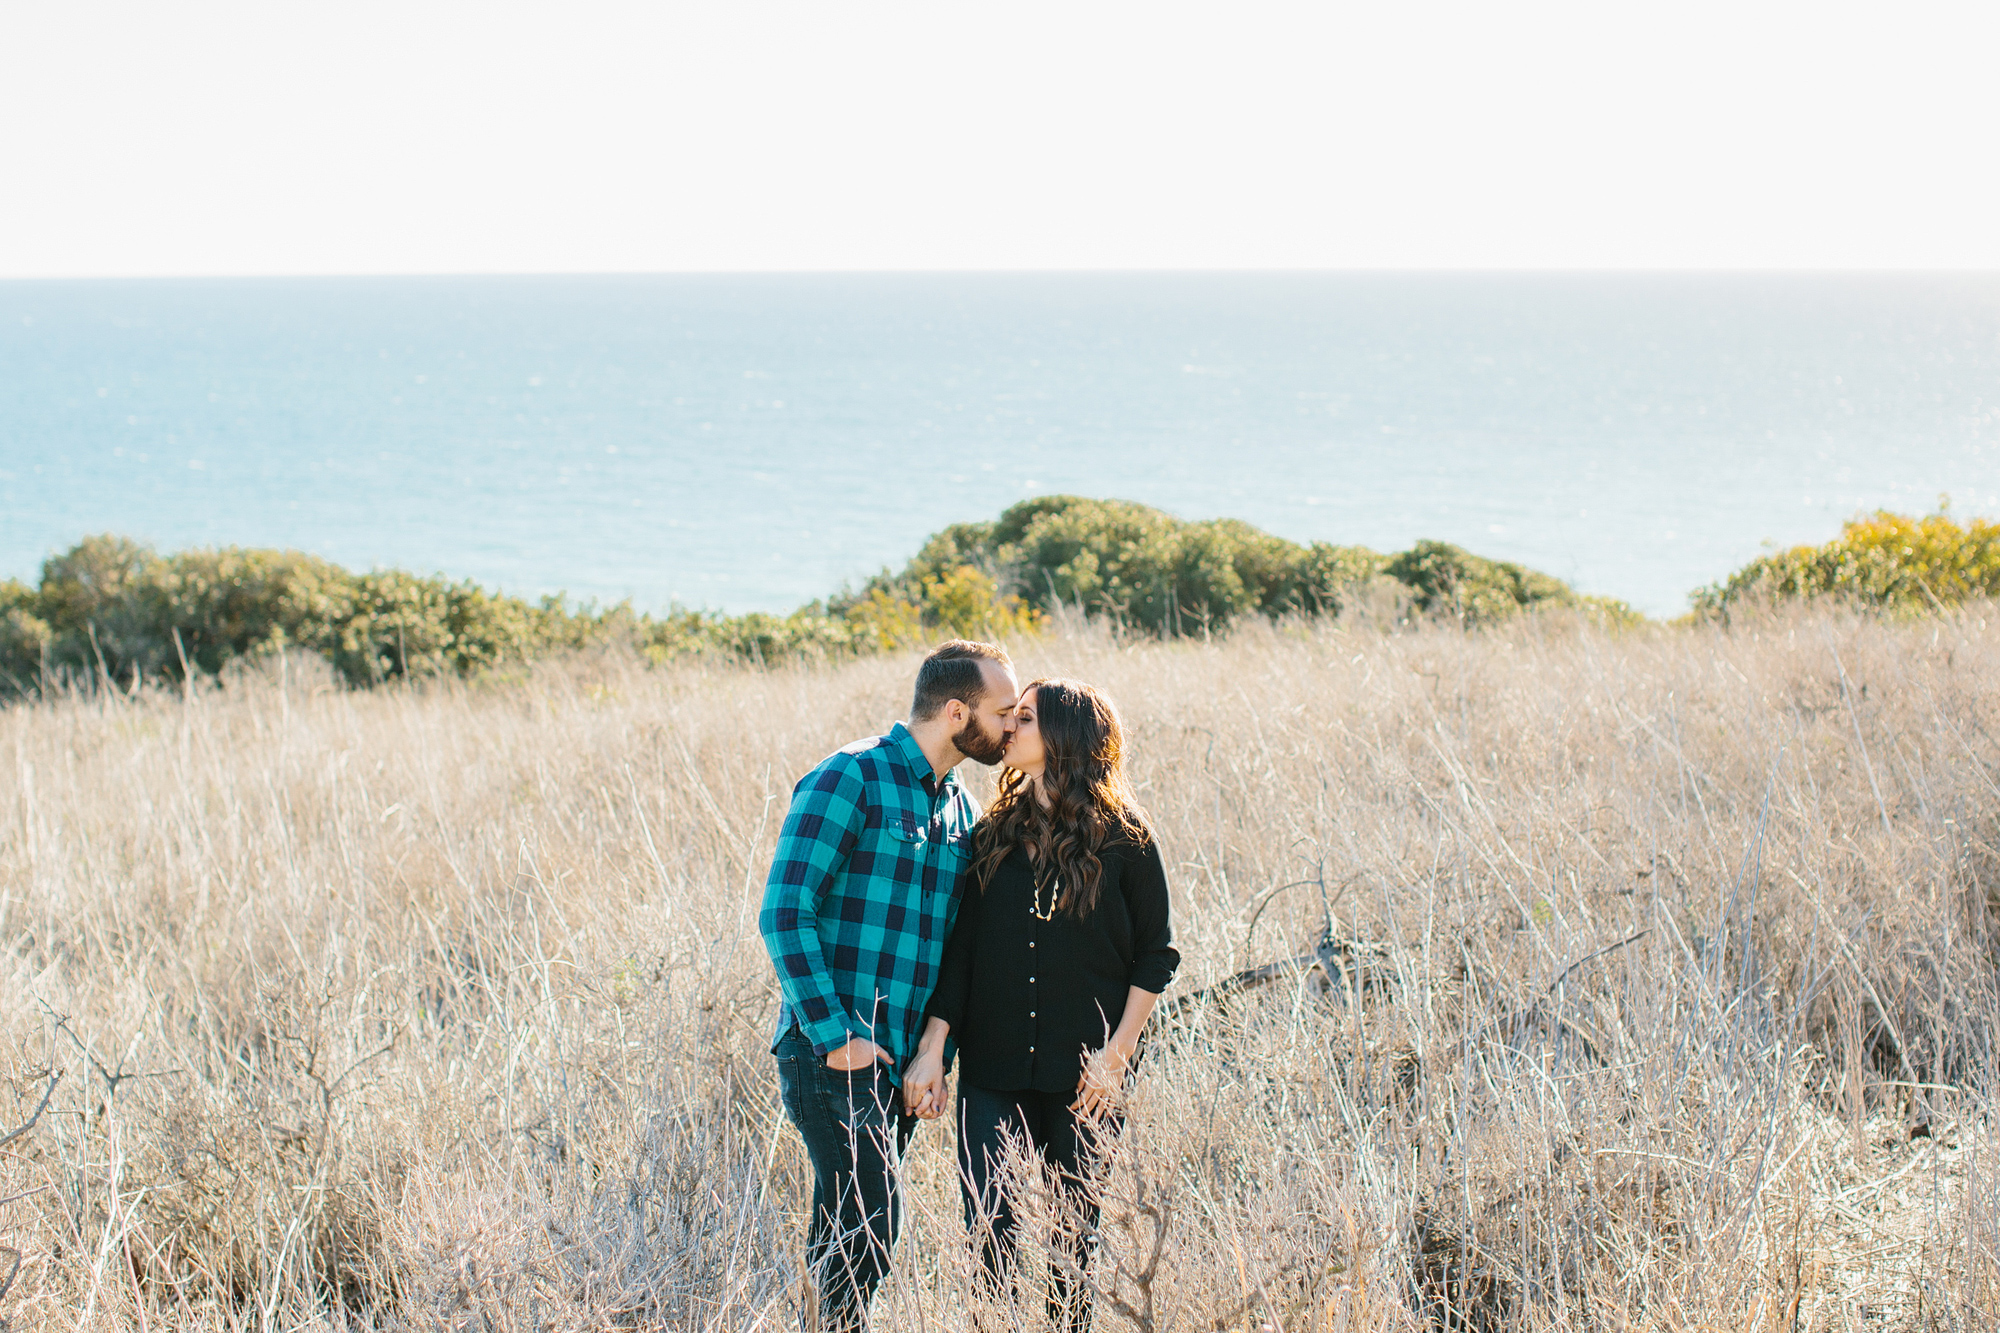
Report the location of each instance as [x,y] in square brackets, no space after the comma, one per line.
[855,1132]
[1072,1153]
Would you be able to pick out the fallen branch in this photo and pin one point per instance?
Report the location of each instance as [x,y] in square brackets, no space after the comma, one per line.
[1593,957]
[32,1120]
[1339,959]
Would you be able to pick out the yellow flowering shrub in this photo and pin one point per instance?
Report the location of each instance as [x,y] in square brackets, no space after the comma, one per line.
[1886,560]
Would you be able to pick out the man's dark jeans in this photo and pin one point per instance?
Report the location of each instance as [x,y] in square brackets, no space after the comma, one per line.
[855,1132]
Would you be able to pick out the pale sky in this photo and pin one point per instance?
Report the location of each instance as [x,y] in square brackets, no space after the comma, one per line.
[285,138]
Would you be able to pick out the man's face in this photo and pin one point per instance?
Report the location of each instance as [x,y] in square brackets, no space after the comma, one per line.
[991,720]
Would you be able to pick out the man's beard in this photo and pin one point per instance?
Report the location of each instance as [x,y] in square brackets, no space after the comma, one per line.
[975,742]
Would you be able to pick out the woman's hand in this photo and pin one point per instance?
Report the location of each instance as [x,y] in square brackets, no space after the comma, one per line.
[1101,1090]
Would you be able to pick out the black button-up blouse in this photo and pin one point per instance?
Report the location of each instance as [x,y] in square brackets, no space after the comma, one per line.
[1026,998]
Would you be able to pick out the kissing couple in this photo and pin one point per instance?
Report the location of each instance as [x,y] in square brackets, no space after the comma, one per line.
[1034,939]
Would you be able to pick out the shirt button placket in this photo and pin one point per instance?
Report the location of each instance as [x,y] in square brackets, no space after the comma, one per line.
[1031,980]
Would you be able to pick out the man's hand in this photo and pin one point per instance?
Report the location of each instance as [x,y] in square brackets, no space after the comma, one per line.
[859,1053]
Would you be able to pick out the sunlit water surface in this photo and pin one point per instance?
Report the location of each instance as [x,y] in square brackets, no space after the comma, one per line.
[755,441]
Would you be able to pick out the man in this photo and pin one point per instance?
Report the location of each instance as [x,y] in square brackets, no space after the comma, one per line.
[860,899]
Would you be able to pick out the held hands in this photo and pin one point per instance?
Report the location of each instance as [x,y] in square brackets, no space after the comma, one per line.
[1102,1087]
[923,1085]
[924,1091]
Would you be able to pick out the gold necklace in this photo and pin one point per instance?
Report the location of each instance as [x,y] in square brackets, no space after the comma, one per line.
[1035,899]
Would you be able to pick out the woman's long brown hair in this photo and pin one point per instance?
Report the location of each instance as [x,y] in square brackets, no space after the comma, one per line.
[1090,800]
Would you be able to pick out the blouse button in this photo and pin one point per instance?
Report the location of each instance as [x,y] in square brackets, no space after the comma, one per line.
[1031,1013]
[1031,1050]
[1031,944]
[1031,981]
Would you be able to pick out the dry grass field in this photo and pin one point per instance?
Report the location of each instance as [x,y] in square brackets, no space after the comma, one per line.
[1668,997]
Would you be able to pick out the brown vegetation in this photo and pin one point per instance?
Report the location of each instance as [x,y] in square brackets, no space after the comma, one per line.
[1667,993]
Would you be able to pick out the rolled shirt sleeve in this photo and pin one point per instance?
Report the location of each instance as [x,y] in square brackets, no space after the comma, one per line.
[1154,958]
[819,834]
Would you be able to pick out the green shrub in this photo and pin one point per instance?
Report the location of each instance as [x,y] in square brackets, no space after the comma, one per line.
[1884,560]
[1142,565]
[102,610]
[110,607]
[236,603]
[1448,580]
[1131,562]
[24,637]
[1172,576]
[1329,575]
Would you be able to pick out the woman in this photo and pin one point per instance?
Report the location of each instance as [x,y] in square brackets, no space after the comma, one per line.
[1062,947]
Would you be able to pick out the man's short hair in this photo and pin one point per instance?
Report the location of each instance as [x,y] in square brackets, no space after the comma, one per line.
[953,671]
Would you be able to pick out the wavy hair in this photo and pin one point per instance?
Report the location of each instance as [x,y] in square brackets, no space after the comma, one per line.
[1090,799]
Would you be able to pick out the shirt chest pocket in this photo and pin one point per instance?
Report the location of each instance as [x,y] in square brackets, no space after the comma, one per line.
[951,856]
[899,845]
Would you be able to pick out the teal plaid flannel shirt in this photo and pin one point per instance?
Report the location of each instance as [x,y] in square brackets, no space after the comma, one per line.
[862,892]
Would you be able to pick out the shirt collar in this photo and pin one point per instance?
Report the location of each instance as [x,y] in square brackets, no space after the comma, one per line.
[916,760]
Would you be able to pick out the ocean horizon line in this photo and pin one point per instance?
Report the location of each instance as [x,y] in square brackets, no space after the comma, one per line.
[1389,270]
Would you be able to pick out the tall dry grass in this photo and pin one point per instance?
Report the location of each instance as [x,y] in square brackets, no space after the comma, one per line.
[1668,996]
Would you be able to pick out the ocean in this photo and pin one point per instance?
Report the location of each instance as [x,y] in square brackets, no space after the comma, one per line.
[753,441]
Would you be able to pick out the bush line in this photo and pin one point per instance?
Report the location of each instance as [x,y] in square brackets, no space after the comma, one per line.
[115,610]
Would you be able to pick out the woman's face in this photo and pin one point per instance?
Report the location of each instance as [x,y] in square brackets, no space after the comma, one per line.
[1024,747]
